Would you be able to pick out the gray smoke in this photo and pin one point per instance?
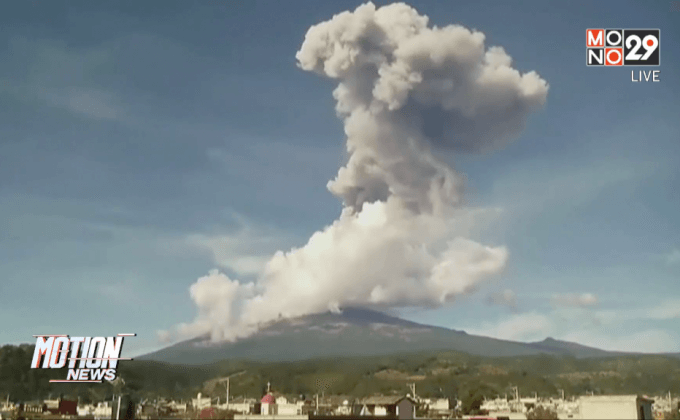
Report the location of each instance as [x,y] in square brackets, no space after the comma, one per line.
[405,92]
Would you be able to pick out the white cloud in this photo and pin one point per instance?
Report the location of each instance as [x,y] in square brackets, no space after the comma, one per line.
[245,251]
[614,333]
[505,298]
[573,299]
[522,327]
[94,103]
[118,287]
[673,257]
[61,76]
[667,309]
[535,188]
[647,341]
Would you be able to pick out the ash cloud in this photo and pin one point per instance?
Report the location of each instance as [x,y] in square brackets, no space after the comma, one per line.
[405,92]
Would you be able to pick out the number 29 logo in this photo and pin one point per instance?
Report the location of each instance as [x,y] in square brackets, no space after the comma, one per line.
[641,47]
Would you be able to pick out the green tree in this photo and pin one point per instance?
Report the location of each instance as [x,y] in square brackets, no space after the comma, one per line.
[472,402]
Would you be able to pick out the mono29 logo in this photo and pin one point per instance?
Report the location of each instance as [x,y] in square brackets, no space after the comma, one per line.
[622,47]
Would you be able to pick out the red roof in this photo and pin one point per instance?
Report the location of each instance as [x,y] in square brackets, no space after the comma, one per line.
[268,399]
[208,413]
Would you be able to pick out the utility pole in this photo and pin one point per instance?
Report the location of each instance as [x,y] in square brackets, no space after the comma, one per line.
[118,411]
[228,385]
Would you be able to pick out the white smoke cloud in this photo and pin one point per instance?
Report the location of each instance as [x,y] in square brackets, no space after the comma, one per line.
[405,91]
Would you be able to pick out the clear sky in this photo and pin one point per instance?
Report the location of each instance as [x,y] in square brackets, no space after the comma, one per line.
[143,144]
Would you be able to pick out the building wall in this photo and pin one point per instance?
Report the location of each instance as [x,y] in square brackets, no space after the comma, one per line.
[344,410]
[645,410]
[268,409]
[286,409]
[440,404]
[612,408]
[405,409]
[241,407]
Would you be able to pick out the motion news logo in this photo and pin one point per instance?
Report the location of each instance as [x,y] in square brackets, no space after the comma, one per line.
[622,47]
[97,357]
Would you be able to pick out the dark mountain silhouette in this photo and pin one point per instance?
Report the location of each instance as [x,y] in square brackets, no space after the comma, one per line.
[357,332]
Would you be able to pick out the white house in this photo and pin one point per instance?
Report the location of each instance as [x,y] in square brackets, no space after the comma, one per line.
[103,409]
[200,402]
[438,404]
[52,404]
[401,407]
[85,410]
[344,409]
[285,408]
[498,404]
[177,406]
[240,405]
[624,407]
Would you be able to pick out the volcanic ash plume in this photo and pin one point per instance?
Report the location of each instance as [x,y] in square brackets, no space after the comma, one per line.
[405,91]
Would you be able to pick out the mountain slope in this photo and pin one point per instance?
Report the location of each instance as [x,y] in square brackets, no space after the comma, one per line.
[552,346]
[356,332]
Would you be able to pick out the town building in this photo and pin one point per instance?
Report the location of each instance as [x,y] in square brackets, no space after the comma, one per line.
[34,407]
[51,405]
[286,408]
[400,406]
[200,402]
[103,409]
[267,405]
[66,408]
[624,407]
[240,405]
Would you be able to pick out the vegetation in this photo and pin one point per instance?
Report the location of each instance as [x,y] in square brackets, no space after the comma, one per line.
[542,413]
[472,401]
[436,374]
[673,415]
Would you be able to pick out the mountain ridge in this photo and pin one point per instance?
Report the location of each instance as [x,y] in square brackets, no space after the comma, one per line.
[358,332]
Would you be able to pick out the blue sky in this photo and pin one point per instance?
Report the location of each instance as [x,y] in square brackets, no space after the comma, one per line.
[144,144]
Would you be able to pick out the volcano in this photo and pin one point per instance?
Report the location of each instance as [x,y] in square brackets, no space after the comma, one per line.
[356,332]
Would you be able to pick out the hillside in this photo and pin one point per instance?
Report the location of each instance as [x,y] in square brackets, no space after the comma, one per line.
[436,374]
[356,332]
